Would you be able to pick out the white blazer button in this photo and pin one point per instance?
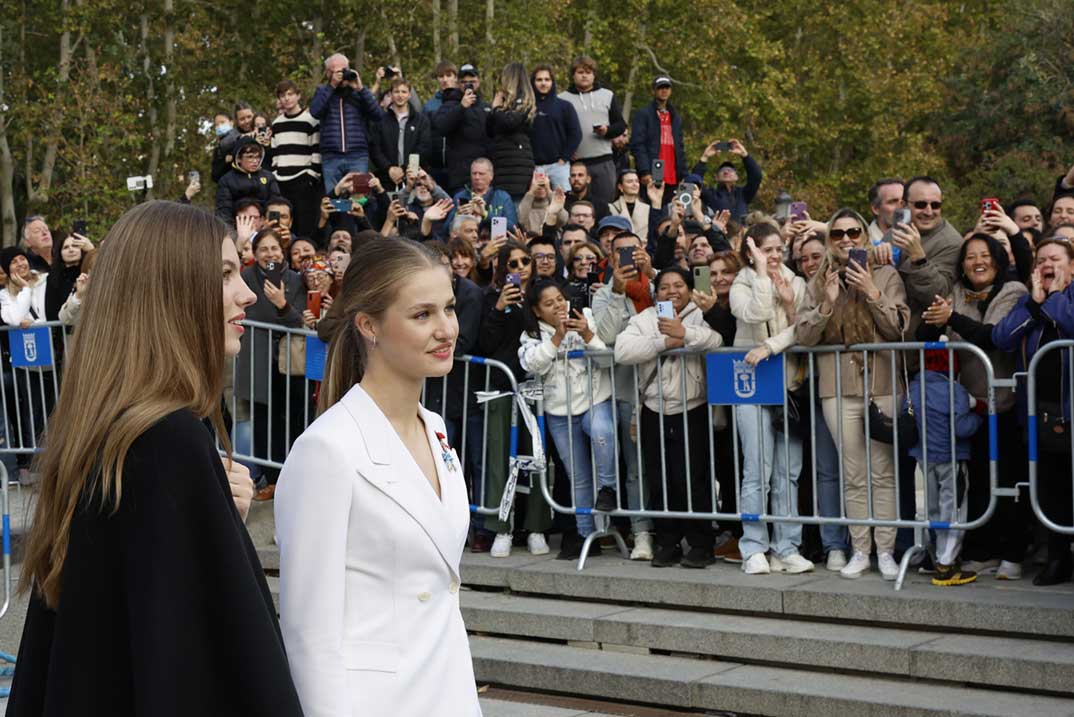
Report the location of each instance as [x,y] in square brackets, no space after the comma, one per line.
[424,597]
[454,587]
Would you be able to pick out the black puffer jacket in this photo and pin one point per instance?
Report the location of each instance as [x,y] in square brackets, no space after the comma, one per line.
[237,185]
[512,154]
[464,128]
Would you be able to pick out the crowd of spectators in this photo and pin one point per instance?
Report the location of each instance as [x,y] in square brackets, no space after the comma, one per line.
[559,243]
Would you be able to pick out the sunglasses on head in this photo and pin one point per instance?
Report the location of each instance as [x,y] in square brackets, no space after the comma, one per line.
[838,234]
[519,263]
[922,205]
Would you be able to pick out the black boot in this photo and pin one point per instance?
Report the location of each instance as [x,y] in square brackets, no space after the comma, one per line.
[1055,572]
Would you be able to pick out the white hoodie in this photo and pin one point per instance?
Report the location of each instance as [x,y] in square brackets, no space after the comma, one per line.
[544,360]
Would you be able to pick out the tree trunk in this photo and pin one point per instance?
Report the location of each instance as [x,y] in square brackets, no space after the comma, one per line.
[490,18]
[628,98]
[316,53]
[7,167]
[169,81]
[437,56]
[39,194]
[151,103]
[453,28]
[359,51]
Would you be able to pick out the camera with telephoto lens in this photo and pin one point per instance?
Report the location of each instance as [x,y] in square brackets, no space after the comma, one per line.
[685,194]
[469,86]
[389,73]
[349,75]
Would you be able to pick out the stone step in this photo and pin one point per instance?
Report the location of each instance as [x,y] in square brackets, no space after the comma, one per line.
[732,686]
[986,606]
[1028,664]
[502,708]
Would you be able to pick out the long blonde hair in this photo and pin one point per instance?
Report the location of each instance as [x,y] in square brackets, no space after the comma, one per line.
[853,323]
[370,285]
[150,341]
[517,90]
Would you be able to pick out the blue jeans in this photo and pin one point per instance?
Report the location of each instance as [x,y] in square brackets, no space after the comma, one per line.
[593,430]
[829,497]
[629,450]
[559,175]
[766,461]
[335,167]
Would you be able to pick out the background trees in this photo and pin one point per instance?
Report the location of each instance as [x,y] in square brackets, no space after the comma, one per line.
[829,94]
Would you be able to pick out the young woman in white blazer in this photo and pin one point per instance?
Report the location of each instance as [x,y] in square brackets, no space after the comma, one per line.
[765,298]
[371,508]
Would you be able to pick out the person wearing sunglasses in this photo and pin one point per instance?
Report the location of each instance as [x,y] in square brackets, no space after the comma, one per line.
[503,322]
[851,304]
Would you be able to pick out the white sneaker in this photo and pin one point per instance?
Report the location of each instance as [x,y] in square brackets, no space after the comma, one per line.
[889,569]
[756,565]
[981,567]
[837,560]
[537,544]
[501,546]
[643,547]
[1009,571]
[792,564]
[858,566]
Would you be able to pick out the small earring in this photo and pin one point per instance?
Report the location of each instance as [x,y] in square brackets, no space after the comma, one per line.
[374,341]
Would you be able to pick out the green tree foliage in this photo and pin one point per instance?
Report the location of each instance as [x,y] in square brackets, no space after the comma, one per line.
[827,94]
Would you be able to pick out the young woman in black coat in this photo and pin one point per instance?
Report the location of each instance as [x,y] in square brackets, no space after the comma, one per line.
[66,267]
[147,597]
[509,126]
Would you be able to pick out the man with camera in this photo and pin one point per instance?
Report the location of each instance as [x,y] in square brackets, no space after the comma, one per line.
[461,122]
[727,194]
[657,135]
[344,106]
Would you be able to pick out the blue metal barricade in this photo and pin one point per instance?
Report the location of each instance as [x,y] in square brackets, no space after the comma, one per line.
[1055,449]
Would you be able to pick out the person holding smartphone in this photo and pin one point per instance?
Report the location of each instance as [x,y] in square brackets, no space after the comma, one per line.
[280,299]
[501,332]
[141,575]
[67,267]
[851,303]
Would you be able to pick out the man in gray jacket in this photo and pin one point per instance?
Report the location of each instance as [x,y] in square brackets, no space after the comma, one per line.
[601,119]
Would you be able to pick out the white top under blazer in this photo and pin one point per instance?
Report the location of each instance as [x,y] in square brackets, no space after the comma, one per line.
[369,569]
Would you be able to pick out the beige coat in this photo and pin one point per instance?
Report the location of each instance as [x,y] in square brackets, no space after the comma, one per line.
[761,319]
[641,343]
[890,319]
[639,219]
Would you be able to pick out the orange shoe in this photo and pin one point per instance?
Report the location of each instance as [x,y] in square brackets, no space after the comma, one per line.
[266,493]
[728,551]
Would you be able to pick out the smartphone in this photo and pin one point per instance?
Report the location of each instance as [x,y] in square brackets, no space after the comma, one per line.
[665,310]
[658,171]
[313,303]
[901,216]
[273,215]
[860,257]
[703,279]
[723,146]
[626,256]
[578,303]
[262,131]
[79,227]
[798,211]
[592,277]
[342,205]
[360,183]
[193,176]
[414,163]
[499,228]
[989,203]
[274,272]
[540,176]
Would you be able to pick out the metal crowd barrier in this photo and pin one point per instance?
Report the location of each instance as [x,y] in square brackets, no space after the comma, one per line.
[267,373]
[1034,428]
[656,507]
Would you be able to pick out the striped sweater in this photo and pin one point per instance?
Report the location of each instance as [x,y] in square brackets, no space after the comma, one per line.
[296,146]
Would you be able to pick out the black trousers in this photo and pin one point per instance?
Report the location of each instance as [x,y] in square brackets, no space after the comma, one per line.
[275,423]
[305,194]
[670,531]
[1054,484]
[1005,536]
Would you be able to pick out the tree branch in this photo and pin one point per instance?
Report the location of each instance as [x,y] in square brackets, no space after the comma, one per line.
[657,65]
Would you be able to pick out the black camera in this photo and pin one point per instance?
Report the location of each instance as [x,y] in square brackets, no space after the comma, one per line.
[349,75]
[469,86]
[389,73]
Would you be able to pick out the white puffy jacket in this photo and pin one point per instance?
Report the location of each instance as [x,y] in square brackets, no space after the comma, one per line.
[761,318]
[640,344]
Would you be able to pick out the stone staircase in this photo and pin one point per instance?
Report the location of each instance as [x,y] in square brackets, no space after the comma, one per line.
[717,641]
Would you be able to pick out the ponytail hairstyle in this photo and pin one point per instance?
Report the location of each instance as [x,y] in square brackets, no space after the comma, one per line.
[370,285]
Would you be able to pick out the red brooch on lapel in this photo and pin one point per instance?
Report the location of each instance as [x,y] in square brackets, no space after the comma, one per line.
[447,456]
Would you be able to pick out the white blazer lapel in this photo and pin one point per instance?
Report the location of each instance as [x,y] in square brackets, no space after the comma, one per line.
[394,472]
